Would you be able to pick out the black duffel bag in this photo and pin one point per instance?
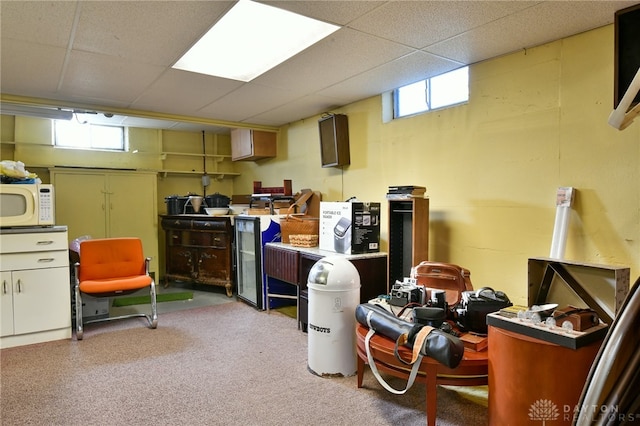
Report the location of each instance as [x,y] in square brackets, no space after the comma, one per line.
[476,304]
[424,340]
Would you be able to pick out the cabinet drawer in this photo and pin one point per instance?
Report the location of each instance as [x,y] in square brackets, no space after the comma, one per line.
[29,242]
[37,260]
[214,224]
[197,239]
[207,239]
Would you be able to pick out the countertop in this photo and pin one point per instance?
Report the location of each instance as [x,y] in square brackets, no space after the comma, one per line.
[33,229]
[324,253]
[197,216]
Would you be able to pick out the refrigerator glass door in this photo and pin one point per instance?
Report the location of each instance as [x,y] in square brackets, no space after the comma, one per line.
[248,255]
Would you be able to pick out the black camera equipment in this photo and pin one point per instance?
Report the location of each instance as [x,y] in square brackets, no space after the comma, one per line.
[405,293]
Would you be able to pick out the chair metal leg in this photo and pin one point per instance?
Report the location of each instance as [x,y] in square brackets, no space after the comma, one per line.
[79,329]
[153,320]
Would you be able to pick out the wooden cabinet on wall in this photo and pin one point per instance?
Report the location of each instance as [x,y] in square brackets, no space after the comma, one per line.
[199,249]
[108,203]
[408,236]
[251,145]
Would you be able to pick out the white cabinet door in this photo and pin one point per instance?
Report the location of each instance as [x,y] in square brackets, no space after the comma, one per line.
[41,300]
[6,304]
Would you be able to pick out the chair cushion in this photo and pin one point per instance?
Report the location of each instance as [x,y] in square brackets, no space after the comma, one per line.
[106,258]
[115,285]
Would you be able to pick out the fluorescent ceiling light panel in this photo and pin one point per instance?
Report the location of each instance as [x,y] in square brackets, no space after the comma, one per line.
[251,39]
[35,111]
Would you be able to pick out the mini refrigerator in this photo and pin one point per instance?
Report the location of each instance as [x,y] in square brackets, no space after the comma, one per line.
[252,233]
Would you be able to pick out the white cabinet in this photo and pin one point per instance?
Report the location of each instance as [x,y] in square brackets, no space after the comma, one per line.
[35,287]
[108,204]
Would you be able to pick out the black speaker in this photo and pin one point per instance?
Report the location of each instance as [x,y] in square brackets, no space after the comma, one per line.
[627,51]
[334,140]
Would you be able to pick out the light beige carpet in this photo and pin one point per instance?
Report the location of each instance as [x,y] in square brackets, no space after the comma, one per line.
[228,364]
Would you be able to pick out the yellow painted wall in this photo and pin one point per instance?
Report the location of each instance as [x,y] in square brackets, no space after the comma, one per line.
[536,120]
[30,140]
[191,142]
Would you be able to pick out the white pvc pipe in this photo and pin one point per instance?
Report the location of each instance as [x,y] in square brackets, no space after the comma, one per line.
[564,199]
[560,230]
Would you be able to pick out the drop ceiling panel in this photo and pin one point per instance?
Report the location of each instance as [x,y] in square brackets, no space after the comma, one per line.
[389,76]
[120,52]
[183,92]
[336,12]
[247,101]
[305,107]
[341,55]
[148,32]
[105,77]
[534,26]
[41,22]
[421,23]
[30,69]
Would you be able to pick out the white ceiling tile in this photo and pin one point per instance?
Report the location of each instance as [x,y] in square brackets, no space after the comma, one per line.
[305,107]
[41,22]
[337,12]
[185,93]
[106,77]
[122,51]
[534,26]
[148,32]
[342,55]
[405,70]
[421,23]
[30,69]
[247,101]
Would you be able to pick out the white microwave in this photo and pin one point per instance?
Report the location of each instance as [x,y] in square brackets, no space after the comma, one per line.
[26,205]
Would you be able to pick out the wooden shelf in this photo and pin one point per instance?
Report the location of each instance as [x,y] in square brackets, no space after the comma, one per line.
[188,154]
[408,236]
[222,175]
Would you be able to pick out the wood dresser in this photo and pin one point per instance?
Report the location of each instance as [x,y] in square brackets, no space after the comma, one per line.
[199,249]
[292,265]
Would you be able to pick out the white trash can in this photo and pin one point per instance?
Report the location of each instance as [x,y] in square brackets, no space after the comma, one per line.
[334,293]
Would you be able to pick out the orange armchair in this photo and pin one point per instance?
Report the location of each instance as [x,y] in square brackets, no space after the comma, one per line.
[112,267]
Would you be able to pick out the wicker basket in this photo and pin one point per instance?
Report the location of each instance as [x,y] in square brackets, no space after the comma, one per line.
[298,225]
[301,240]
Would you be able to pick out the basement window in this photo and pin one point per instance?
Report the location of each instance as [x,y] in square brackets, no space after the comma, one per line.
[82,135]
[441,91]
